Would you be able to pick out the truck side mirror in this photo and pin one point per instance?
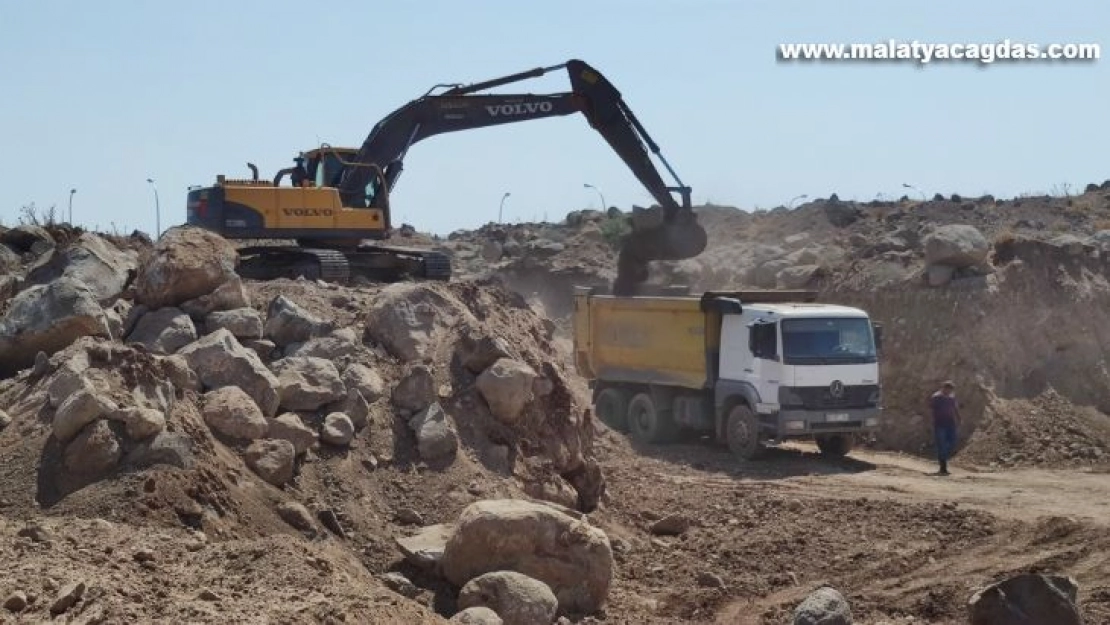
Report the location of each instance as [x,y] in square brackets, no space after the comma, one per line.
[877,328]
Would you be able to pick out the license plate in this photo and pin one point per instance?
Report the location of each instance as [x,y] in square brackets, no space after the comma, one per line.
[837,417]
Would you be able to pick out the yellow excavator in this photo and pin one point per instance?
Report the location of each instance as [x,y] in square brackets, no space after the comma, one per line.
[335,206]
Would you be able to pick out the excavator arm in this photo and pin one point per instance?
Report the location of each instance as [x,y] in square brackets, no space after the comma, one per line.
[675,236]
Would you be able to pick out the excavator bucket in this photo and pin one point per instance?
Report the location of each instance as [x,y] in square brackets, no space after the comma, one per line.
[658,236]
[655,237]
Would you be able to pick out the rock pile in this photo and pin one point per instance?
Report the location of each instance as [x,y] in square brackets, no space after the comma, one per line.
[242,406]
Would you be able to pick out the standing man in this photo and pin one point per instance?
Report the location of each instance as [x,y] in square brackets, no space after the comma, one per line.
[946,418]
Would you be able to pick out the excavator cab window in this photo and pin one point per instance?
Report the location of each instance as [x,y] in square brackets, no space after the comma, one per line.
[372,190]
[328,170]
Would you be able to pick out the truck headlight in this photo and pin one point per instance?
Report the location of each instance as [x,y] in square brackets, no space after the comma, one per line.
[795,425]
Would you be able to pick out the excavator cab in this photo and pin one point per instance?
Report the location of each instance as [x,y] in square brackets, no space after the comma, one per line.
[325,167]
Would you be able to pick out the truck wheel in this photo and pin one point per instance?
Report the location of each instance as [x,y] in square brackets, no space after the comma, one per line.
[743,435]
[611,407]
[835,445]
[647,423]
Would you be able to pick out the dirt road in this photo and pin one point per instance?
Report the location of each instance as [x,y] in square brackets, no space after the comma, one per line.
[1022,494]
[903,545]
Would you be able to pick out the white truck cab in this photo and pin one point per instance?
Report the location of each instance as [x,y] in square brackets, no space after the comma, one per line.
[807,368]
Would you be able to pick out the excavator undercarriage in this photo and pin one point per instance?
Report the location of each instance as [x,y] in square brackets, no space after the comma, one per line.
[370,262]
[339,197]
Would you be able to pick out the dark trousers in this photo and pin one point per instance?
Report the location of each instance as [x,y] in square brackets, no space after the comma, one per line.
[946,442]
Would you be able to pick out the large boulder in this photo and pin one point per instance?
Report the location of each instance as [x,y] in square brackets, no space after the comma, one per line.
[243,323]
[424,549]
[416,391]
[26,238]
[476,616]
[477,352]
[307,383]
[290,427]
[82,407]
[1027,599]
[95,451]
[334,348]
[357,409]
[164,331]
[231,295]
[824,606]
[175,449]
[272,460]
[102,267]
[956,245]
[507,388]
[231,412]
[337,430]
[220,360]
[406,319]
[436,436]
[139,422]
[568,554]
[287,323]
[187,263]
[367,381]
[516,598]
[48,318]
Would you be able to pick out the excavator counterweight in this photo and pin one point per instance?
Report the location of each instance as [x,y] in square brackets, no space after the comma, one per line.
[339,197]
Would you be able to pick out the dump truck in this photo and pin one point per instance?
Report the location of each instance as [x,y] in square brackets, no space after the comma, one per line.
[748,368]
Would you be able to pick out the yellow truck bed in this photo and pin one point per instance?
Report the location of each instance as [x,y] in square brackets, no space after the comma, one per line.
[647,340]
[663,340]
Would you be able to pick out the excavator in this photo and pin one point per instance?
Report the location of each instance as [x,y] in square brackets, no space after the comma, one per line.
[336,204]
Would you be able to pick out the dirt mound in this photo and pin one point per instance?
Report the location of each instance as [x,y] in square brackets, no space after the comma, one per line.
[1047,430]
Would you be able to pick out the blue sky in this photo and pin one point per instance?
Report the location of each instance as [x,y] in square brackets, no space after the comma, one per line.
[102,95]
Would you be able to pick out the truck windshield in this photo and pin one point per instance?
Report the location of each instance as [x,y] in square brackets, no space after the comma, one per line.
[827,340]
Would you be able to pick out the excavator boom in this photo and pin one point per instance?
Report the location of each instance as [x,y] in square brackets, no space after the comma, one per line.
[675,236]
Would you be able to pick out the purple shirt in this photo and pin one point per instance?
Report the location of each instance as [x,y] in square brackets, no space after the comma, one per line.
[944,408]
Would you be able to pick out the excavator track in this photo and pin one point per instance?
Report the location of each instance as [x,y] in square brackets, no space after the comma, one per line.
[390,264]
[374,263]
[272,263]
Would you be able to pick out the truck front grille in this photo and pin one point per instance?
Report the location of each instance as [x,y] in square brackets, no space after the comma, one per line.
[821,398]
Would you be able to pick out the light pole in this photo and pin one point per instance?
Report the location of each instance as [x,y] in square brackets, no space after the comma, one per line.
[71,192]
[501,208]
[157,210]
[800,197]
[590,186]
[910,186]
